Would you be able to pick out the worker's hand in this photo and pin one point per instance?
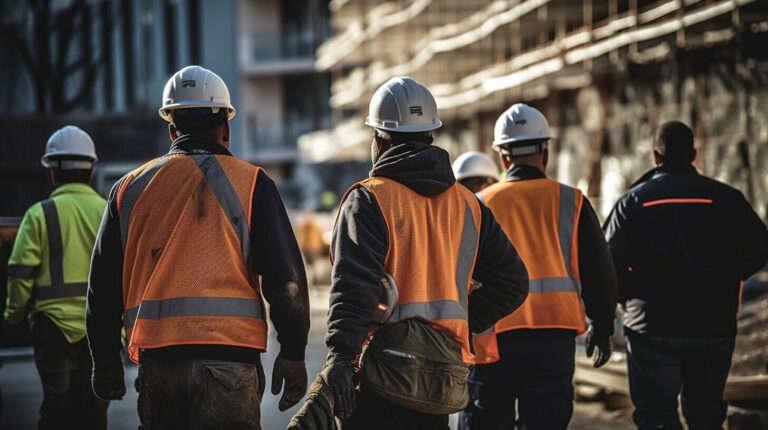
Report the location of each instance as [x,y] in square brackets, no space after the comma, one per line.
[109,384]
[294,373]
[317,411]
[603,345]
[339,374]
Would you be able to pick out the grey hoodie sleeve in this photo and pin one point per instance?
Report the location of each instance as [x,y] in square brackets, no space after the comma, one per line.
[502,274]
[360,241]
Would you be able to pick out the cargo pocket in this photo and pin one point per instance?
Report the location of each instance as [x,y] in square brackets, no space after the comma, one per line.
[231,397]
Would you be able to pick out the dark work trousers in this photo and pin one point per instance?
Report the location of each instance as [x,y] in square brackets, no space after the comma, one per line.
[65,373]
[661,368]
[192,394]
[531,387]
[374,413]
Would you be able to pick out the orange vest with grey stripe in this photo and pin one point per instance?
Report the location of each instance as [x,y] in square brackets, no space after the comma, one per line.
[540,217]
[185,224]
[432,246]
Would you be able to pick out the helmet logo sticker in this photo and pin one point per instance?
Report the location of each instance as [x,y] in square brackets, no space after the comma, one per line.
[521,121]
[189,83]
[416,110]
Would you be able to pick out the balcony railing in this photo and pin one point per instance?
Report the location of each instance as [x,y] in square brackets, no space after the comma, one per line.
[262,47]
[278,136]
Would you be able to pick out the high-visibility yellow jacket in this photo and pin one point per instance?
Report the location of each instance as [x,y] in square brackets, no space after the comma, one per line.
[48,268]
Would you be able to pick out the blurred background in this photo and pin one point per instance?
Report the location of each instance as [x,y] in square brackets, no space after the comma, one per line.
[606,73]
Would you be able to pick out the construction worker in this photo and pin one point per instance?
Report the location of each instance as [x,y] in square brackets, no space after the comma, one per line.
[407,242]
[48,271]
[475,171]
[525,362]
[682,244]
[176,263]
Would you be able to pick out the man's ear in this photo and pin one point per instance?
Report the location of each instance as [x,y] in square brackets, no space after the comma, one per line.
[694,154]
[657,158]
[506,160]
[172,132]
[545,158]
[226,132]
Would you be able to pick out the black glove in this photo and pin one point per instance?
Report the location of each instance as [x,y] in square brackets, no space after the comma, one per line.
[603,345]
[109,384]
[317,411]
[295,375]
[339,374]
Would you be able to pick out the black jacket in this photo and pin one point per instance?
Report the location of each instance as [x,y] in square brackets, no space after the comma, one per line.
[360,241]
[274,255]
[682,243]
[598,276]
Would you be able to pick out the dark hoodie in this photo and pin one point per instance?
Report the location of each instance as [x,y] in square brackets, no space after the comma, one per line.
[360,242]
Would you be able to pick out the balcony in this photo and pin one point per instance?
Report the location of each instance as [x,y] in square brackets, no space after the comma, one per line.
[286,52]
[275,142]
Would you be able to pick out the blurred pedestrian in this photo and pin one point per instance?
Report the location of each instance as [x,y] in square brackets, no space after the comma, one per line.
[309,234]
[406,245]
[525,362]
[181,247]
[48,271]
[682,244]
[475,171]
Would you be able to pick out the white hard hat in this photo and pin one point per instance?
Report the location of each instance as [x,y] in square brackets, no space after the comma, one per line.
[69,141]
[474,164]
[195,87]
[403,105]
[519,125]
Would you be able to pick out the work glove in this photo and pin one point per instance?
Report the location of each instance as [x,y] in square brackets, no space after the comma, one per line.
[339,373]
[294,373]
[317,411]
[603,345]
[109,384]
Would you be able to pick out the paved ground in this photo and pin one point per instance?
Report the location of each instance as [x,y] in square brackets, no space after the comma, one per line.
[21,392]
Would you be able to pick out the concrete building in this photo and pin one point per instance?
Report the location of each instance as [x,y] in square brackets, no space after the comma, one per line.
[282,96]
[605,72]
[102,64]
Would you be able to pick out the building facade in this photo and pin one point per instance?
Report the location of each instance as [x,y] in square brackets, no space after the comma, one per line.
[605,72]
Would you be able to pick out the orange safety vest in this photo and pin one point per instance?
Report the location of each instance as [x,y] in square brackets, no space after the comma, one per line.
[185,224]
[432,247]
[540,217]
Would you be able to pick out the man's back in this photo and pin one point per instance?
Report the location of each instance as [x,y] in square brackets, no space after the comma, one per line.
[683,243]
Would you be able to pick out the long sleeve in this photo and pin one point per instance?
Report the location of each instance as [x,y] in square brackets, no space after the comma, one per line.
[598,276]
[618,235]
[276,257]
[753,240]
[359,247]
[23,264]
[104,314]
[502,274]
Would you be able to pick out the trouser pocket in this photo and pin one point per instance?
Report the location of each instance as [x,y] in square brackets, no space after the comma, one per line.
[231,399]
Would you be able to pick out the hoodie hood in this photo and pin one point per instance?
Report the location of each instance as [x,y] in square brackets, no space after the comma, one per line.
[423,168]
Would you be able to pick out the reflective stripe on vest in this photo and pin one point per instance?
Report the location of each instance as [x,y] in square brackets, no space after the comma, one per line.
[217,180]
[132,193]
[58,288]
[194,306]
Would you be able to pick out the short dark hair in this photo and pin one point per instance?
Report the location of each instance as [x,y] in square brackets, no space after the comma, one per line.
[674,141]
[397,138]
[201,121]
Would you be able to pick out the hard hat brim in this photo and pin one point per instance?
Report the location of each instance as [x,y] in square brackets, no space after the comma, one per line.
[521,140]
[412,128]
[165,111]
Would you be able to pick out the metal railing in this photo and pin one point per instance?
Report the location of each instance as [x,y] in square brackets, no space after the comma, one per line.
[280,46]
